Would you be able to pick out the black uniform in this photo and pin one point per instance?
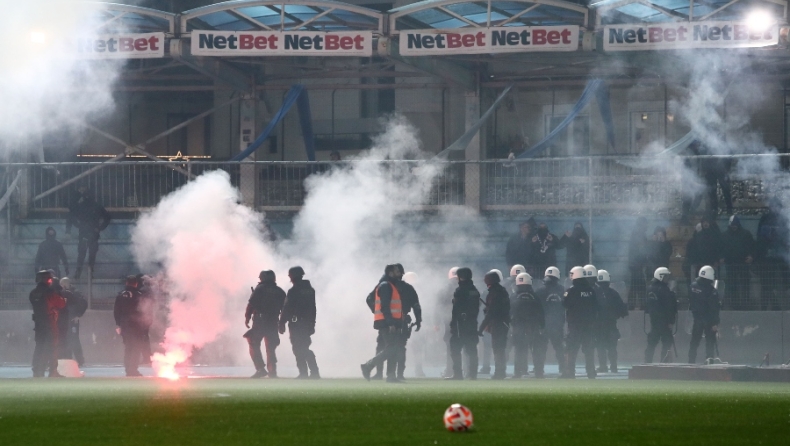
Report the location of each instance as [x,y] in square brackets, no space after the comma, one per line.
[389,329]
[264,307]
[299,311]
[90,218]
[134,315]
[528,322]
[76,305]
[578,247]
[51,253]
[496,322]
[662,306]
[463,328]
[611,308]
[544,250]
[738,249]
[704,305]
[409,302]
[581,310]
[45,317]
[551,294]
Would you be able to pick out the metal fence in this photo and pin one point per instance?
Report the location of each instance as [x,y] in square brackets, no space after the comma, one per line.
[601,184]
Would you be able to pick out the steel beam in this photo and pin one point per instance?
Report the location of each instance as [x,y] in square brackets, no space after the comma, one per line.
[435,66]
[212,67]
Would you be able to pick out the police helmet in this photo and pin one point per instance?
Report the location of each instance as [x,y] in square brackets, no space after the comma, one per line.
[577,272]
[523,279]
[453,273]
[296,271]
[603,276]
[65,283]
[43,275]
[552,271]
[492,276]
[267,276]
[410,278]
[464,273]
[661,272]
[498,273]
[516,270]
[707,272]
[590,271]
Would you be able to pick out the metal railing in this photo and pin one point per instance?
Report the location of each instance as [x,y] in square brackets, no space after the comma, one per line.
[599,184]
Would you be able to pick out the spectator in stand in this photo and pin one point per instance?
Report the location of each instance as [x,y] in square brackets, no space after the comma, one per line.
[51,253]
[544,248]
[772,249]
[90,218]
[577,243]
[737,255]
[519,249]
[637,261]
[334,156]
[704,248]
[659,249]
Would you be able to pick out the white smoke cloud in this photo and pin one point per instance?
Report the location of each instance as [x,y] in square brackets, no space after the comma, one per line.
[353,223]
[42,86]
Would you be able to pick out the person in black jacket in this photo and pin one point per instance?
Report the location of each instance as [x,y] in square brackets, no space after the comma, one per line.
[581,311]
[264,307]
[387,308]
[299,312]
[90,219]
[519,247]
[410,302]
[528,325]
[43,299]
[704,248]
[662,307]
[610,308]
[551,295]
[544,248]
[659,249]
[737,252]
[76,305]
[133,313]
[704,305]
[51,253]
[496,321]
[772,248]
[577,244]
[463,325]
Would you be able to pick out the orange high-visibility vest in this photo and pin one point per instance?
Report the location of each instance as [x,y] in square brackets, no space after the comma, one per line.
[395,305]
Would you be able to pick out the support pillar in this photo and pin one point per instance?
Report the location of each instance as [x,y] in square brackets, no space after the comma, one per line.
[247,177]
[472,179]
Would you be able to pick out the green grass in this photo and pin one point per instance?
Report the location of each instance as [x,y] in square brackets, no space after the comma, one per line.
[285,412]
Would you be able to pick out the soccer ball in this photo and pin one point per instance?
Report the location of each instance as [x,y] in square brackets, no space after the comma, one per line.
[457,418]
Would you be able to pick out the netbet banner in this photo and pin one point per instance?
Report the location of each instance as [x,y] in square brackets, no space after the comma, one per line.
[685,35]
[427,42]
[120,46]
[276,43]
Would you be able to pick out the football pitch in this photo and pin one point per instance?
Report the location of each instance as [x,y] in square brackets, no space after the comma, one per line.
[352,411]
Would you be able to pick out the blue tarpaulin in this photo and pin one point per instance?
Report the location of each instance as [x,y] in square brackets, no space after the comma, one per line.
[296,93]
[590,91]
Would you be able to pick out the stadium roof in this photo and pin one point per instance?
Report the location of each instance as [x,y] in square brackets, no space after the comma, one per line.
[451,14]
[610,12]
[274,15]
[117,18]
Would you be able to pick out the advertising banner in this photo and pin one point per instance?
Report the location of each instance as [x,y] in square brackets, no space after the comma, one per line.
[489,40]
[687,35]
[120,46]
[276,43]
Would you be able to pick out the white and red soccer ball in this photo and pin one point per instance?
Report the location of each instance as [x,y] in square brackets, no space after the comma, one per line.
[458,418]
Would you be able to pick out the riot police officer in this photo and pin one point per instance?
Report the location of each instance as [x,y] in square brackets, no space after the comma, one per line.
[611,308]
[527,324]
[496,321]
[581,311]
[551,296]
[662,306]
[299,312]
[47,304]
[133,313]
[704,305]
[264,307]
[463,325]
[76,306]
[410,303]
